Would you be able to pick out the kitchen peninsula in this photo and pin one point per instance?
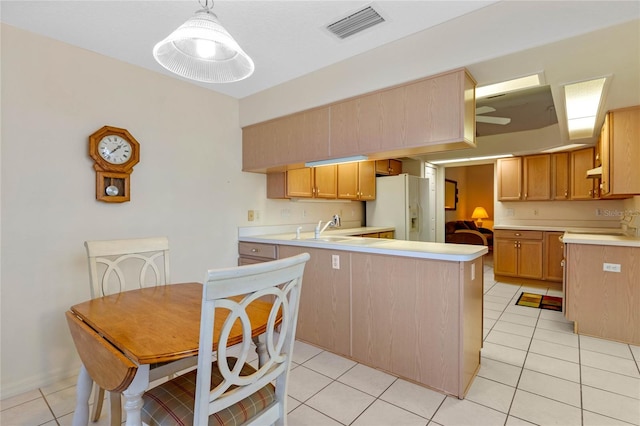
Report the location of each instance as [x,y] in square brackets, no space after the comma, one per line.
[411,308]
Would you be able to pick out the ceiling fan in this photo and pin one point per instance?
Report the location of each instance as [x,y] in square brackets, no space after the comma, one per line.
[490,120]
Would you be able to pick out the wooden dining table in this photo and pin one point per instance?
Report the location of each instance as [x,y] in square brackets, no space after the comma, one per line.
[119,336]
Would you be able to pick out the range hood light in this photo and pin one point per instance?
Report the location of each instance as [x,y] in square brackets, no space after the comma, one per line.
[352,159]
[594,173]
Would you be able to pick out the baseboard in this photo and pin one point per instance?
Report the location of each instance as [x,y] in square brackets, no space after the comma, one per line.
[10,390]
[554,285]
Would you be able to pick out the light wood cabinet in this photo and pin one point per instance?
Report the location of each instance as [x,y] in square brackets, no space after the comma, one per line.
[518,253]
[325,303]
[436,113]
[288,140]
[553,256]
[581,187]
[620,156]
[441,110]
[560,176]
[536,177]
[509,179]
[357,181]
[602,303]
[388,167]
[312,182]
[367,124]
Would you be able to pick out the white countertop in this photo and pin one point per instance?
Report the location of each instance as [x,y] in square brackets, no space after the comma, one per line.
[601,239]
[417,249]
[578,235]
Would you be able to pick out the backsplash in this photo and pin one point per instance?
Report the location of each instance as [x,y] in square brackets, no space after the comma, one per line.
[590,214]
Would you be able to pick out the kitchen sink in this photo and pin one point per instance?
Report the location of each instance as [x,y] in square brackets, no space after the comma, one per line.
[327,239]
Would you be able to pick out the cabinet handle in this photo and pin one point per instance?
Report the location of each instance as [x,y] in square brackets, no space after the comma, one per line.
[566,193]
[560,238]
[255,250]
[517,234]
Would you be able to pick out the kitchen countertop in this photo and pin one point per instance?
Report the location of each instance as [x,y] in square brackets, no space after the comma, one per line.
[340,240]
[582,235]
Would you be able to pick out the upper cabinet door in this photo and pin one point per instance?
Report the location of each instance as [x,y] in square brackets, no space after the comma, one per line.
[537,175]
[509,179]
[326,181]
[293,139]
[560,176]
[581,187]
[367,180]
[624,151]
[348,181]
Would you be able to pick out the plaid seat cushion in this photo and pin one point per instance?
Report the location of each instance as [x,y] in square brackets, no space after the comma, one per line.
[172,402]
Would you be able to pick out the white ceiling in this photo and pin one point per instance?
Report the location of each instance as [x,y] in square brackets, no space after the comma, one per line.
[495,40]
[287,39]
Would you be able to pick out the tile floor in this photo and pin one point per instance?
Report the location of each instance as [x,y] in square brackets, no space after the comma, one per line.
[534,371]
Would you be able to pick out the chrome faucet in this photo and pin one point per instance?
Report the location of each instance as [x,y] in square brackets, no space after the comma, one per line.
[334,223]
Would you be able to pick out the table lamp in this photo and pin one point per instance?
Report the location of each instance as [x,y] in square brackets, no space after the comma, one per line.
[479,213]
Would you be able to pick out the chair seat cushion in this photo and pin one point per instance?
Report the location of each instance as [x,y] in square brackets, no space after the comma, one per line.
[171,403]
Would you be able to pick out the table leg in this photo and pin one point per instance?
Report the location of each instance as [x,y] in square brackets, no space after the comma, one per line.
[115,408]
[133,396]
[261,349]
[83,392]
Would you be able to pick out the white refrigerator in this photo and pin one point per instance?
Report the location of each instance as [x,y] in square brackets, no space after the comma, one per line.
[402,201]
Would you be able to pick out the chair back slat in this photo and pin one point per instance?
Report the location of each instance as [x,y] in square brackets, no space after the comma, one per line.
[120,265]
[281,280]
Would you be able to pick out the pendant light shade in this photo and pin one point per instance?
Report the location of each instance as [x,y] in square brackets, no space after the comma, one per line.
[202,50]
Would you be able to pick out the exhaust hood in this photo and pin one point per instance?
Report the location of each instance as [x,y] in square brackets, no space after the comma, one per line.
[594,173]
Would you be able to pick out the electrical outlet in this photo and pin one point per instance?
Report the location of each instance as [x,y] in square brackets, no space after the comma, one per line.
[611,267]
[335,261]
[250,215]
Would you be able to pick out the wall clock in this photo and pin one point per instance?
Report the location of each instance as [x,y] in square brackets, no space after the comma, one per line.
[114,152]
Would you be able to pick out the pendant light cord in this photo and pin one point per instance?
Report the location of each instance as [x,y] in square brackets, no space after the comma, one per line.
[205,4]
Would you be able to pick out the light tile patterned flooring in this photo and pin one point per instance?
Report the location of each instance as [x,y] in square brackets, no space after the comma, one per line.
[534,371]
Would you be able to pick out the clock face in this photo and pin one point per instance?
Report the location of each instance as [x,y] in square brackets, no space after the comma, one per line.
[114,149]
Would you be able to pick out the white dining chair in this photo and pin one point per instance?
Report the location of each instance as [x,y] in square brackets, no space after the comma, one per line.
[229,391]
[120,265]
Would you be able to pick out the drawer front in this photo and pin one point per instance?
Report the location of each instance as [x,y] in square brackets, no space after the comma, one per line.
[249,260]
[266,251]
[518,235]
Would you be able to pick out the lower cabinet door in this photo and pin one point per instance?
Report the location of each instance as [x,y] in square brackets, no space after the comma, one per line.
[505,257]
[530,259]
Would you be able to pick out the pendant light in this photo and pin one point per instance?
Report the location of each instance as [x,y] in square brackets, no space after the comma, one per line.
[202,50]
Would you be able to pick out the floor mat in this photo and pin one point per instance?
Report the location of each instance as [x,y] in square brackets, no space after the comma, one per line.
[533,300]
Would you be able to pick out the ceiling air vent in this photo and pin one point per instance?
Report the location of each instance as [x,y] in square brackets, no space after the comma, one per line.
[356,22]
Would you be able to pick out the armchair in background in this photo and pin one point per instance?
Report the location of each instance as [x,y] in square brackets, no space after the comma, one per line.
[466,232]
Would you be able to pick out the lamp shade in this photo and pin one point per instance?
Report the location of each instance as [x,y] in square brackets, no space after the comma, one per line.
[479,213]
[202,50]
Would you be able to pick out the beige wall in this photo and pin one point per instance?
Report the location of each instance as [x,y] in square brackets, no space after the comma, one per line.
[187,186]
